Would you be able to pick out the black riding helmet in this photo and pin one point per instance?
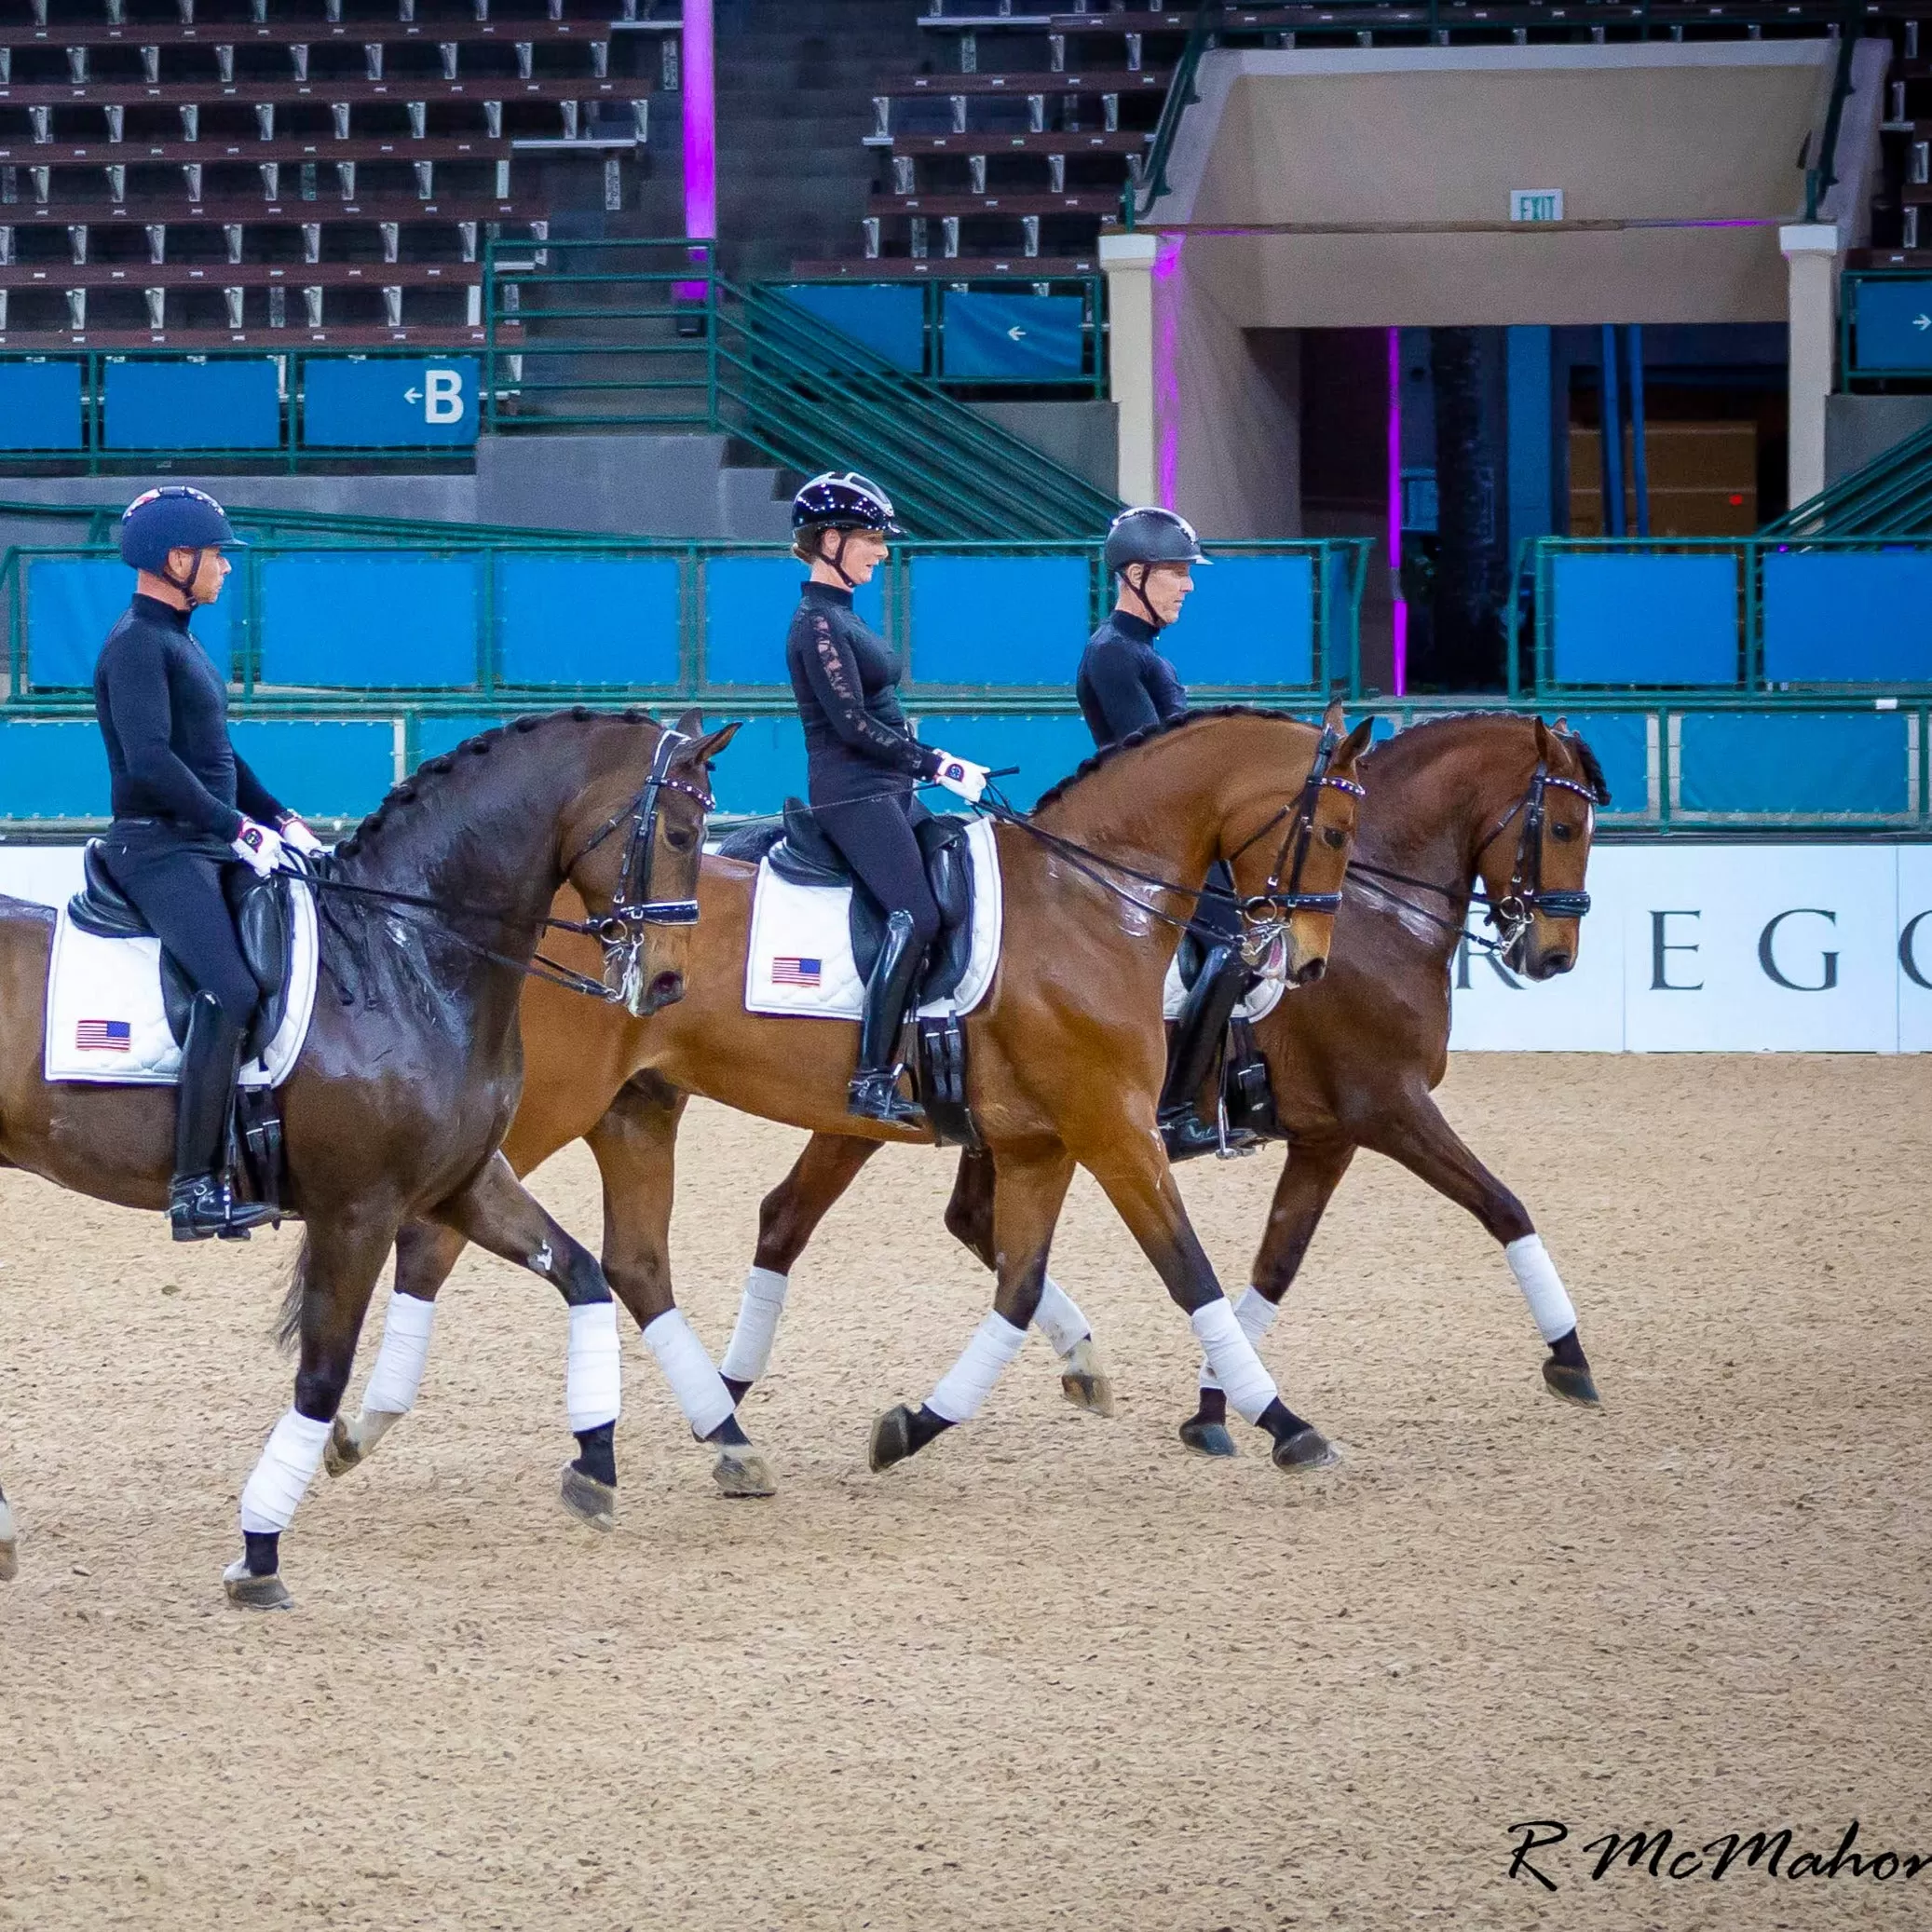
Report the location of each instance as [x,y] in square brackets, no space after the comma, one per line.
[1147,536]
[842,500]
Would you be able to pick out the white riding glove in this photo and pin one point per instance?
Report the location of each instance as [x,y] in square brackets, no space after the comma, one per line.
[260,846]
[294,833]
[962,777]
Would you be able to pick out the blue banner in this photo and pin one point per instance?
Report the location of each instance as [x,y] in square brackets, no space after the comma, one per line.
[388,401]
[1892,323]
[1011,338]
[229,404]
[889,319]
[39,405]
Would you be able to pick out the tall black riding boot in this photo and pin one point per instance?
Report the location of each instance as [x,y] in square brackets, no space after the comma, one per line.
[1198,1033]
[202,1201]
[874,1094]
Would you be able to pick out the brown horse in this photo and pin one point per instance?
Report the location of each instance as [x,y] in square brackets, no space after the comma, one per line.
[413,1065]
[1067,1052]
[1495,799]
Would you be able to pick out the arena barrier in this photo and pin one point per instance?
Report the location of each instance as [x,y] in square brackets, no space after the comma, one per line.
[1766,947]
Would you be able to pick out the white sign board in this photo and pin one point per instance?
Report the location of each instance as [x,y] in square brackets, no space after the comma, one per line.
[1536,204]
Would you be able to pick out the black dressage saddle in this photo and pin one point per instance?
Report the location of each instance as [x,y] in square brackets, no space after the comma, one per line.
[263,921]
[800,851]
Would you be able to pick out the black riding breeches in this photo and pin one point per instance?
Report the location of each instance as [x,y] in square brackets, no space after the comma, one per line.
[876,836]
[176,886]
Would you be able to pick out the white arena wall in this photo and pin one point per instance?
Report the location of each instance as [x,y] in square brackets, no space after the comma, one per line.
[1688,949]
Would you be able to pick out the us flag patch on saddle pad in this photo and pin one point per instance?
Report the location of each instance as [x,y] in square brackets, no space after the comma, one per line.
[104,1035]
[789,971]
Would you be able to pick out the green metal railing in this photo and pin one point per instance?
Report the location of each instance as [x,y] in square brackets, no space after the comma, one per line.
[1891,496]
[1139,197]
[649,334]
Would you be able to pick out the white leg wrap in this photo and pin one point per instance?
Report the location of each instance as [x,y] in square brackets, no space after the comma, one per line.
[398,1373]
[1058,1317]
[749,1354]
[969,1381]
[1255,1313]
[1232,1356]
[287,1468]
[699,1389]
[1542,1287]
[594,1381]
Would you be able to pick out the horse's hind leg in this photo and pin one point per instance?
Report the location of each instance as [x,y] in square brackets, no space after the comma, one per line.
[425,1255]
[969,1218]
[9,1550]
[1029,1188]
[1302,1195]
[341,1261]
[1423,1142]
[635,1146]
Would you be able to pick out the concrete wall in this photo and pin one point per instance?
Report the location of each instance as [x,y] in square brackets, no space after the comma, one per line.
[1082,436]
[1859,429]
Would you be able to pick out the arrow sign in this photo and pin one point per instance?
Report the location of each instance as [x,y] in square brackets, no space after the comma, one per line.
[412,395]
[1922,321]
[1016,334]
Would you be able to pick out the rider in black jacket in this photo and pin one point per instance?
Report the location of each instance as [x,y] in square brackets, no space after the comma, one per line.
[185,805]
[1126,686]
[862,761]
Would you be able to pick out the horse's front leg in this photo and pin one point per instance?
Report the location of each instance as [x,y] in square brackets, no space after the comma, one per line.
[969,1218]
[635,1146]
[1029,1185]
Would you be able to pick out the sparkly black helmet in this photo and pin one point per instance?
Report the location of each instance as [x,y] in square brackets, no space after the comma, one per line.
[844,500]
[1149,534]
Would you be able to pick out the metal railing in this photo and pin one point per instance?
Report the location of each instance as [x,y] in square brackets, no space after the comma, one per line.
[1890,497]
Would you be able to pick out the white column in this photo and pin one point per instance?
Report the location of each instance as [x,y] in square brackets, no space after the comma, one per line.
[1811,251]
[1128,263]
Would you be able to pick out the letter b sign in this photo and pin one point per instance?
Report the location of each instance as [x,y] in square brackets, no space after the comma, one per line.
[442,396]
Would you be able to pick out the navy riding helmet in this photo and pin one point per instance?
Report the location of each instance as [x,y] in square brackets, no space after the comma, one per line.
[174,518]
[1149,534]
[844,502]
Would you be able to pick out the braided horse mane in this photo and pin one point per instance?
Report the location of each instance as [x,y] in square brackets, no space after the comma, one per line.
[1572,741]
[1166,729]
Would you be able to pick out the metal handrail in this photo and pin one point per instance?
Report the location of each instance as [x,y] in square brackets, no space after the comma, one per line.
[1181,95]
[1823,175]
[1890,497]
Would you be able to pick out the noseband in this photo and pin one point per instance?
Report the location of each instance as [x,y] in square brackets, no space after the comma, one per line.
[1527,895]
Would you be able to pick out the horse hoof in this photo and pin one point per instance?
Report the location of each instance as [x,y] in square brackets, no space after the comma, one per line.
[891,1438]
[9,1550]
[1306,1449]
[1571,1384]
[250,1592]
[1208,1439]
[588,1500]
[343,1451]
[743,1472]
[1084,1380]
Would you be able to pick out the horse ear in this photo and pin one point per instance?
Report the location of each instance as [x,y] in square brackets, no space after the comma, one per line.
[1546,746]
[1335,719]
[702,751]
[691,723]
[1354,745]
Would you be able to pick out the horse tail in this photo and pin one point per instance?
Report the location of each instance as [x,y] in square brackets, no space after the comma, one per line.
[288,1326]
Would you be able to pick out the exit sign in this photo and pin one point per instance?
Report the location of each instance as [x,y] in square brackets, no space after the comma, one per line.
[1536,204]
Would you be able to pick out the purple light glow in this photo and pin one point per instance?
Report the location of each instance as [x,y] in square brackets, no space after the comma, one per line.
[1167,373]
[700,125]
[1400,671]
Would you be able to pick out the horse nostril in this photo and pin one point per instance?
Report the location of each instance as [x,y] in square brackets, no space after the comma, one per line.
[667,989]
[1554,963]
[1311,971]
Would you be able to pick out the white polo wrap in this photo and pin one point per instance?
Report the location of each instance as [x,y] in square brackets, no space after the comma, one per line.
[1058,1317]
[1542,1287]
[288,1466]
[749,1353]
[1232,1358]
[397,1375]
[969,1381]
[699,1389]
[593,1379]
[1255,1313]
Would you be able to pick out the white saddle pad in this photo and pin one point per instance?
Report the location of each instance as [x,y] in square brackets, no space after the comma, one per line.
[105,1024]
[799,962]
[1259,1004]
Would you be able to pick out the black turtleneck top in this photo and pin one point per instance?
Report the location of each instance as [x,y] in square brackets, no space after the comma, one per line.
[164,712]
[1125,684]
[846,678]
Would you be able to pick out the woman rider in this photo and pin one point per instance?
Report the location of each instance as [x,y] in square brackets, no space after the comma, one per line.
[185,805]
[863,762]
[1126,686]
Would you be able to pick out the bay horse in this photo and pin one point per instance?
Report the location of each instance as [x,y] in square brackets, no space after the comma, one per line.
[1494,801]
[431,915]
[1067,1054]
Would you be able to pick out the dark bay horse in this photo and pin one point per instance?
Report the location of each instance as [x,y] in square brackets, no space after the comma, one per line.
[1067,1054]
[1491,801]
[413,1065]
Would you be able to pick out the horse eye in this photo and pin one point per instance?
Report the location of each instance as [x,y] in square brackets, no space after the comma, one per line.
[1334,836]
[680,838]
[1563,833]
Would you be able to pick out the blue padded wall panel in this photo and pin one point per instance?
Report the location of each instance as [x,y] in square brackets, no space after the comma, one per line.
[72,605]
[1648,620]
[887,318]
[1248,621]
[1851,762]
[369,620]
[762,767]
[998,620]
[52,770]
[40,406]
[1621,743]
[1011,338]
[441,733]
[388,401]
[1839,617]
[587,621]
[323,768]
[748,607]
[1045,747]
[227,404]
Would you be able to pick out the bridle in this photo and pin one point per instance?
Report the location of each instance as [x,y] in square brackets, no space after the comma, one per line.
[1526,896]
